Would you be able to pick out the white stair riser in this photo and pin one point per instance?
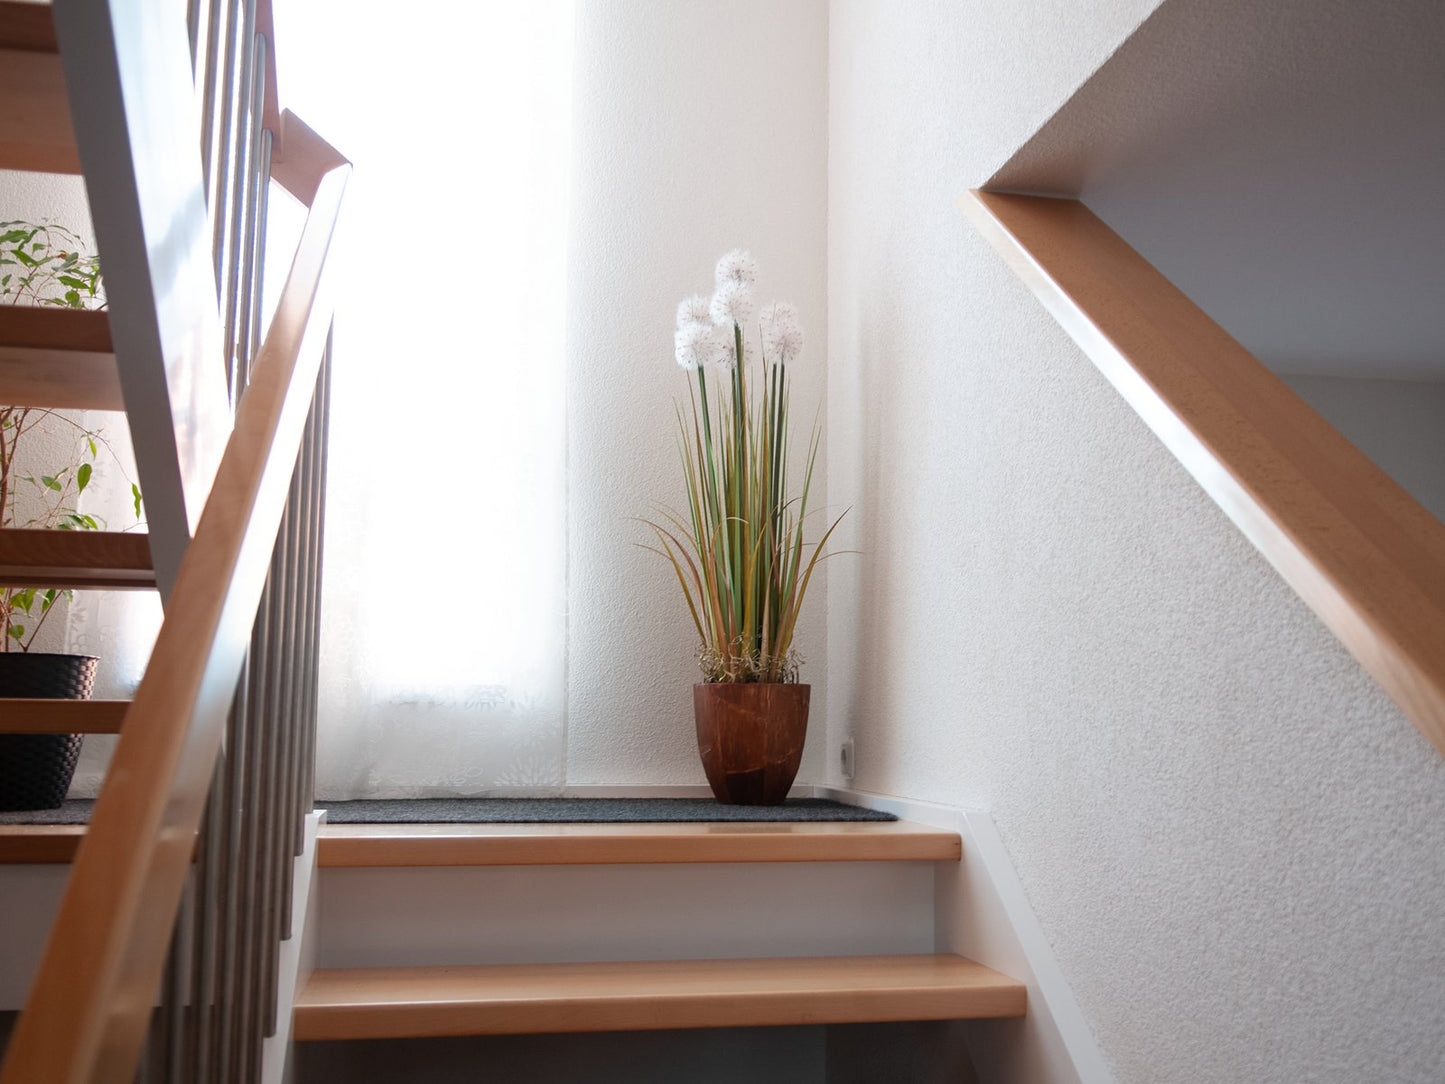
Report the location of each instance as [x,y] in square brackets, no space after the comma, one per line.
[31,895]
[559,914]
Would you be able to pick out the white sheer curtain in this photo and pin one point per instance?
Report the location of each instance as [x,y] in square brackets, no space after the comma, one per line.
[443,638]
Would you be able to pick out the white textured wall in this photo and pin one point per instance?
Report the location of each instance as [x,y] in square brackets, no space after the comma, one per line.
[1231,837]
[700,126]
[1258,152]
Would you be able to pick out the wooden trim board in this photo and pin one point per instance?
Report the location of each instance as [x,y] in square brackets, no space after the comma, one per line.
[30,716]
[375,1003]
[48,328]
[373,845]
[35,125]
[98,559]
[59,358]
[39,844]
[1359,550]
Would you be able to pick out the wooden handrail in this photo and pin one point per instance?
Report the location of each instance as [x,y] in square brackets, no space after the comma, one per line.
[302,158]
[1363,553]
[102,965]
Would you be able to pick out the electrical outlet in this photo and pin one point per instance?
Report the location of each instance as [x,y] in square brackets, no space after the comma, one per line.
[846,758]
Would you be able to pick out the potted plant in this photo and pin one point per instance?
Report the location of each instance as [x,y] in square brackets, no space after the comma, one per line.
[47,461]
[739,551]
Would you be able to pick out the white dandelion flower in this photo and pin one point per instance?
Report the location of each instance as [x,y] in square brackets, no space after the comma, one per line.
[732,303]
[693,345]
[693,310]
[782,334]
[737,266]
[723,354]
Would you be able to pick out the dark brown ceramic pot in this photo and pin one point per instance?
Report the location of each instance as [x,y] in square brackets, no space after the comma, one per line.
[751,739]
[35,769]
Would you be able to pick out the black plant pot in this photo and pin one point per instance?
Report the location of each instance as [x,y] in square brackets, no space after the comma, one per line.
[35,769]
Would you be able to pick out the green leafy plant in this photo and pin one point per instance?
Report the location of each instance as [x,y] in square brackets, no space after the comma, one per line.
[46,265]
[739,552]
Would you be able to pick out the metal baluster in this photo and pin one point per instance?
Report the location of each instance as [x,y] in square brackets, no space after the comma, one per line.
[197,16]
[229,950]
[253,905]
[263,203]
[206,871]
[305,786]
[323,396]
[210,15]
[285,727]
[236,246]
[272,767]
[252,245]
[232,103]
[305,468]
[210,78]
[176,1006]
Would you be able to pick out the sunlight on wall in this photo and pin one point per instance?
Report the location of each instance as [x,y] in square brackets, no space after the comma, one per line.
[445,567]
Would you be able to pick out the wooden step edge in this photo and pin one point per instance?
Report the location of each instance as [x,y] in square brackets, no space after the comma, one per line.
[32,716]
[39,844]
[381,845]
[27,26]
[86,559]
[423,1002]
[61,381]
[59,358]
[36,132]
[48,327]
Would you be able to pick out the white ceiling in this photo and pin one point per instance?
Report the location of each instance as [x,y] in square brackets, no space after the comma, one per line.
[1283,162]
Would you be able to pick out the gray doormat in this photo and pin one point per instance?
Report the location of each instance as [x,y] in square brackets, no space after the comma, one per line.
[75,811]
[587,811]
[534,811]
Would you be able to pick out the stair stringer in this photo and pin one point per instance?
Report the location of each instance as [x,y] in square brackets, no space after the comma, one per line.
[136,129]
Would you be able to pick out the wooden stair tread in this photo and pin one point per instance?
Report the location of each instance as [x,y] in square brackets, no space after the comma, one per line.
[97,559]
[403,845]
[601,844]
[35,126]
[39,844]
[31,716]
[53,357]
[413,1002]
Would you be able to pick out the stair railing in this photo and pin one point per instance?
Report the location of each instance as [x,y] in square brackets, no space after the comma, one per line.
[1356,547]
[180,889]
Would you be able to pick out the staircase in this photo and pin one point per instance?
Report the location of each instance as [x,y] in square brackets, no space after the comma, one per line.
[436,931]
[179,893]
[427,932]
[186,889]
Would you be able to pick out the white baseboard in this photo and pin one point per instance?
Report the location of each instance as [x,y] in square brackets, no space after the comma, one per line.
[981,912]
